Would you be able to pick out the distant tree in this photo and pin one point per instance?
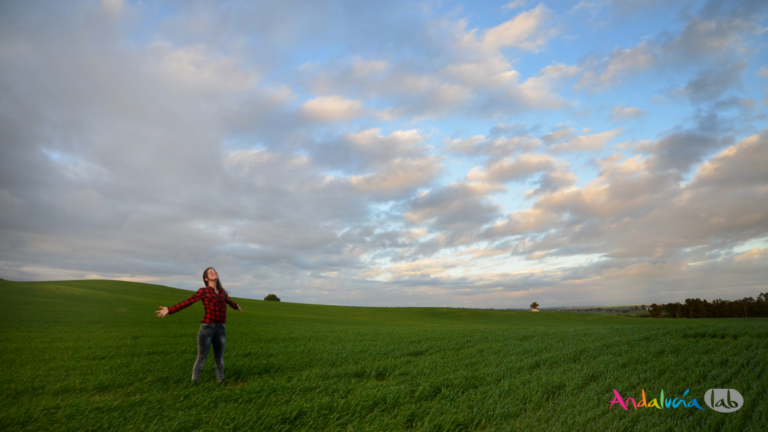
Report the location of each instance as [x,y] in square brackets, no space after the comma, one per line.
[534,305]
[700,311]
[762,304]
[698,308]
[656,310]
[271,297]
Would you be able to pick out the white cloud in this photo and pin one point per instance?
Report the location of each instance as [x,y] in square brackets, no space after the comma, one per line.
[112,7]
[459,209]
[515,4]
[529,31]
[559,71]
[620,112]
[398,176]
[331,108]
[710,84]
[586,142]
[369,149]
[462,72]
[553,173]
[710,37]
[198,69]
[464,145]
[400,142]
[633,209]
[557,135]
[525,221]
[508,169]
[717,38]
[620,64]
[500,146]
[737,167]
[364,69]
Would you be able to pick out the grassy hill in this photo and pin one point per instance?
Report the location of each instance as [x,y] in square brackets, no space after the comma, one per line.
[92,355]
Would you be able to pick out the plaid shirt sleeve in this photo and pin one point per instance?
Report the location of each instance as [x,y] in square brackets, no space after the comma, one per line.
[187,303]
[232,304]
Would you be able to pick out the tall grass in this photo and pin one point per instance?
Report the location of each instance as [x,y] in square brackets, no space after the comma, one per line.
[92,355]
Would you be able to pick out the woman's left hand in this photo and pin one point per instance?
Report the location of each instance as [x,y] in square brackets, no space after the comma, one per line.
[239,308]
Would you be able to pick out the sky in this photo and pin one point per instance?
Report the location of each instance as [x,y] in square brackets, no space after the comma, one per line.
[405,153]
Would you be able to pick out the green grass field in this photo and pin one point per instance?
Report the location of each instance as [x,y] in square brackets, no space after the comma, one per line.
[92,355]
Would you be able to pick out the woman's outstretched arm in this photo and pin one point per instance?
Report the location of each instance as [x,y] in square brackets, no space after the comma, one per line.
[185,304]
[233,305]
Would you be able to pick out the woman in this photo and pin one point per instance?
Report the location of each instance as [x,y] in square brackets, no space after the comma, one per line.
[215,300]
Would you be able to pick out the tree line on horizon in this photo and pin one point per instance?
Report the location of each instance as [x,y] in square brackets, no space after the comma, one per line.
[697,308]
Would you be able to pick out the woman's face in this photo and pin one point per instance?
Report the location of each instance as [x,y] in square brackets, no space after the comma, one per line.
[212,275]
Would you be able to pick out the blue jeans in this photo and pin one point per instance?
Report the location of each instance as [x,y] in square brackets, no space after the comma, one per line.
[210,334]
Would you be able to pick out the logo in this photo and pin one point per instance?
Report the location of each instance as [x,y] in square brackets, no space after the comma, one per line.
[654,403]
[723,400]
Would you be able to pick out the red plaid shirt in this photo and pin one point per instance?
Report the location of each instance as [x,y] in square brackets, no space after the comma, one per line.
[215,306]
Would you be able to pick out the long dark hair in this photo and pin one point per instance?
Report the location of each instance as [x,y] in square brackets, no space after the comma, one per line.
[218,282]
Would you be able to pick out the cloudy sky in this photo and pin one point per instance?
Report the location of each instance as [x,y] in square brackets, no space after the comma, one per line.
[433,153]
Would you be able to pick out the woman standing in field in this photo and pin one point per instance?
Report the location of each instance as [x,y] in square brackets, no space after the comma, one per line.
[215,300]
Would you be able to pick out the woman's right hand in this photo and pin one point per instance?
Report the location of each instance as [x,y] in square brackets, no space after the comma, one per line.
[162,312]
